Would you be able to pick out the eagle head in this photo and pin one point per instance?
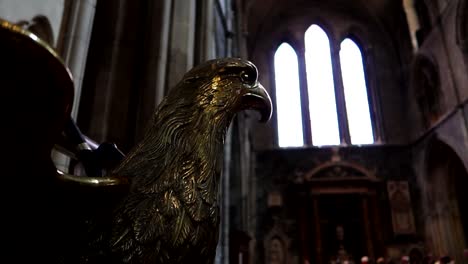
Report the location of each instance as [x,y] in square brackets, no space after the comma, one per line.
[222,87]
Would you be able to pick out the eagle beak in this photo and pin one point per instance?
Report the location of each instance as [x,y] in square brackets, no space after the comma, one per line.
[257,98]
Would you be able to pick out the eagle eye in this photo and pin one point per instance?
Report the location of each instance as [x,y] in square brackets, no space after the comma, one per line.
[247,77]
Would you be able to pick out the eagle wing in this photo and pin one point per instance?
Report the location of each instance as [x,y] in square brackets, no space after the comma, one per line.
[168,213]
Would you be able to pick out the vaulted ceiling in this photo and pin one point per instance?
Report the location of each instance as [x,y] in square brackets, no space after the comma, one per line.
[263,14]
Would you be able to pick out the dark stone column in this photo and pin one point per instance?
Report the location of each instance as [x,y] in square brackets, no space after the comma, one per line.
[109,88]
[367,227]
[339,95]
[303,229]
[377,224]
[204,39]
[373,93]
[182,41]
[318,233]
[304,92]
[73,48]
[154,60]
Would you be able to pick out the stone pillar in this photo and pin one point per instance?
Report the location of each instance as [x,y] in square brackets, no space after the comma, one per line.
[437,234]
[373,90]
[339,95]
[222,254]
[74,51]
[205,46]
[154,57]
[318,234]
[76,42]
[222,250]
[303,229]
[456,234]
[413,21]
[367,227]
[113,76]
[304,92]
[182,41]
[373,200]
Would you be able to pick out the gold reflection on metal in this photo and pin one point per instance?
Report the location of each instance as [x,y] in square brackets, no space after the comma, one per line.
[91,181]
[17,30]
[26,47]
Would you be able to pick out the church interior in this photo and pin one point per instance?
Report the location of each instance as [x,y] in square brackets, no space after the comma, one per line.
[365,156]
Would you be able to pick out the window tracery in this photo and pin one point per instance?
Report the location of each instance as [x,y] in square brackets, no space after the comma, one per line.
[334,84]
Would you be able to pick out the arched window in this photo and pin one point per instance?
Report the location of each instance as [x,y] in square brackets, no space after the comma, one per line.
[322,100]
[288,100]
[355,91]
[336,110]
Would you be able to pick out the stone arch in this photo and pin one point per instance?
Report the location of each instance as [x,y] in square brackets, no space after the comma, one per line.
[445,207]
[438,152]
[339,169]
[359,36]
[425,82]
[325,25]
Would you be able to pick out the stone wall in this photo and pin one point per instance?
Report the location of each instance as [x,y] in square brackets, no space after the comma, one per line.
[280,172]
[444,43]
[441,44]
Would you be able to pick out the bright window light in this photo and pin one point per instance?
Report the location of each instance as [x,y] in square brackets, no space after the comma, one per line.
[322,101]
[288,100]
[355,91]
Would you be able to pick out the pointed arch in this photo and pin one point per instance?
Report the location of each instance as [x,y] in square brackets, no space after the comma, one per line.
[355,92]
[444,181]
[329,169]
[288,101]
[320,83]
